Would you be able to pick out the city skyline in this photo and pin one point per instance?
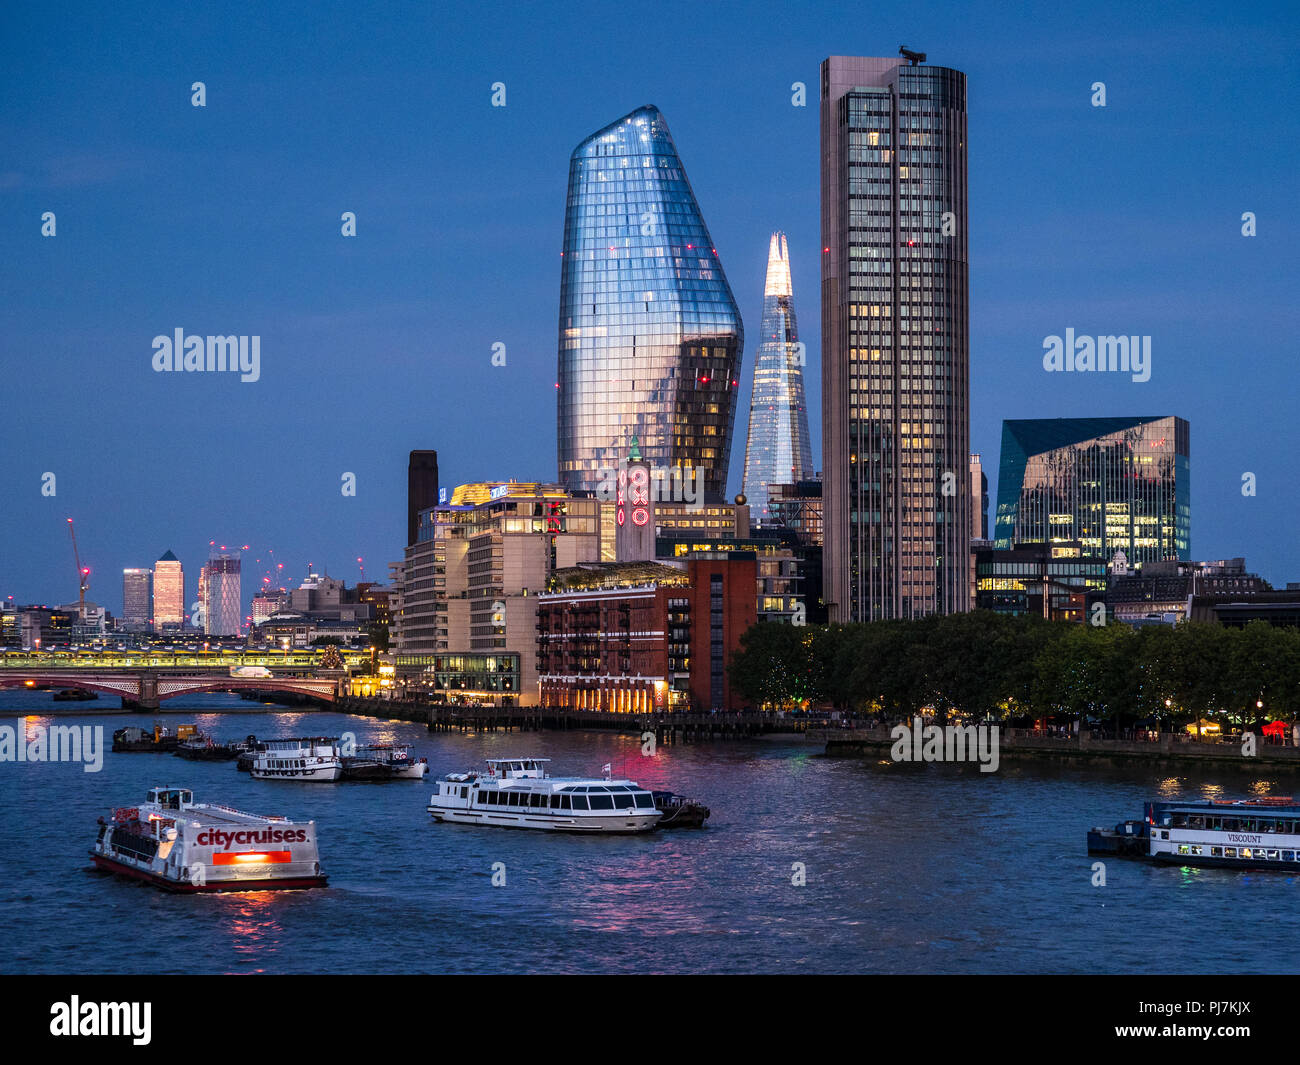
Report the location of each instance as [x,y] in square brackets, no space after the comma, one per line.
[1067,229]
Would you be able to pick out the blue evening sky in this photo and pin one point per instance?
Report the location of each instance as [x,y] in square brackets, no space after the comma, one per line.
[225,219]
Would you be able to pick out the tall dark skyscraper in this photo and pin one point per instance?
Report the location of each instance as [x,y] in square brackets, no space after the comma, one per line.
[421,489]
[777,451]
[135,599]
[650,337]
[895,340]
[1113,484]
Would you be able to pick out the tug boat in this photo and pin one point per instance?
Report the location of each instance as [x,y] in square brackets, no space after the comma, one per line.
[679,811]
[74,695]
[1225,833]
[386,761]
[179,845]
[518,793]
[314,758]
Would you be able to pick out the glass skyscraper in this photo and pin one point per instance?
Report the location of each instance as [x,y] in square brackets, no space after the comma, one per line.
[895,340]
[777,451]
[650,337]
[1112,484]
[225,614]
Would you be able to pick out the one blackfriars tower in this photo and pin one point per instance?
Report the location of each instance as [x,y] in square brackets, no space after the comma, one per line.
[777,451]
[895,339]
[650,337]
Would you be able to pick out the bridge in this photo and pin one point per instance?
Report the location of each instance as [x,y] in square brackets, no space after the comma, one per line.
[144,680]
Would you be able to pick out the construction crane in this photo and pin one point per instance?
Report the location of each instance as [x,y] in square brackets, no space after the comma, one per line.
[83,574]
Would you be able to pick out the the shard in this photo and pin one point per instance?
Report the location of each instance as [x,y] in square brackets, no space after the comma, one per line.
[650,337]
[777,451]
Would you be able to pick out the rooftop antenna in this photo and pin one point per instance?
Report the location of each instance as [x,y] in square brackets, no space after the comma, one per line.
[912,57]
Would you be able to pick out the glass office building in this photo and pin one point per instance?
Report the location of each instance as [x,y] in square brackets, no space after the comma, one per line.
[895,340]
[777,451]
[1110,484]
[650,337]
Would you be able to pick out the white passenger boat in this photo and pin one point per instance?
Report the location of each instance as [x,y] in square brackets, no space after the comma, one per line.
[310,758]
[518,793]
[1259,833]
[384,761]
[174,843]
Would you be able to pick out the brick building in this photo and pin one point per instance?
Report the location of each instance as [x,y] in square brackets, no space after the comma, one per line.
[644,637]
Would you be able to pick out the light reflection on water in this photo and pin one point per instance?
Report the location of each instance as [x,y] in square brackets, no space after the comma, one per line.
[908,868]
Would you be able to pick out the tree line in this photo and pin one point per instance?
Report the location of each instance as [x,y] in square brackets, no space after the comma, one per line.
[1000,667]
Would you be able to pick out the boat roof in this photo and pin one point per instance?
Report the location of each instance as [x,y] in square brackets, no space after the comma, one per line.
[1278,804]
[501,761]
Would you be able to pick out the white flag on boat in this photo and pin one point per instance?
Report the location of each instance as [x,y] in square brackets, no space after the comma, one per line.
[607,769]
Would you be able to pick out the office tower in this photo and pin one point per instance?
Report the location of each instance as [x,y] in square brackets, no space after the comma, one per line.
[777,451]
[135,599]
[1111,484]
[421,489]
[979,497]
[895,345]
[168,593]
[650,338]
[224,614]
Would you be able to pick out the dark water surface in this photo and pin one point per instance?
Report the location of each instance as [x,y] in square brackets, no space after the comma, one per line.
[909,868]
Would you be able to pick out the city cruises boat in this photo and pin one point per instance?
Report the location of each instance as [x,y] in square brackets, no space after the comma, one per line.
[1228,833]
[518,793]
[384,761]
[314,758]
[174,843]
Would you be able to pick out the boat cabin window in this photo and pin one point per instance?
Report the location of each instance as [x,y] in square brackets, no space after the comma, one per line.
[602,802]
[623,801]
[1179,821]
[555,802]
[644,801]
[566,802]
[171,798]
[580,802]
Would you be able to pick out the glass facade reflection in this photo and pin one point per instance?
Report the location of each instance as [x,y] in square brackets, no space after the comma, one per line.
[650,337]
[1111,484]
[777,451]
[895,339]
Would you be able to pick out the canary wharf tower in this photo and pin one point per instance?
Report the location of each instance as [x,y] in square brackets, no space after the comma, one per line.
[777,451]
[895,339]
[650,336]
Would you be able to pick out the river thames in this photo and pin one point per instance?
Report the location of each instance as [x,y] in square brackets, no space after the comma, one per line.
[909,869]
